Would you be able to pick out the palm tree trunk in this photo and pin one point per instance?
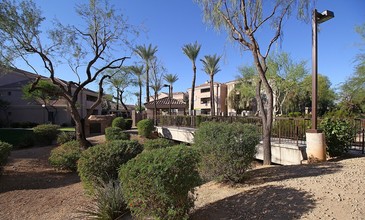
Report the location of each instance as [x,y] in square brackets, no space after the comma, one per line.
[140,98]
[193,91]
[147,84]
[212,106]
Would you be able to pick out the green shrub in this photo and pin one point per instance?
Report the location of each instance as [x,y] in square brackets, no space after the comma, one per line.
[119,122]
[108,202]
[145,127]
[5,149]
[128,123]
[115,133]
[338,135]
[28,140]
[66,156]
[152,144]
[64,137]
[46,133]
[160,183]
[227,150]
[101,162]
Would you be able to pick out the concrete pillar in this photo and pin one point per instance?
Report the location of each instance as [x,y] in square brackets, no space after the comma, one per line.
[316,146]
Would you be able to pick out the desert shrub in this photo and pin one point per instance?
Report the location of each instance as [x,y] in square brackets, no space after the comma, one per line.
[46,133]
[339,135]
[101,162]
[227,150]
[5,149]
[152,144]
[66,156]
[64,137]
[108,202]
[145,127]
[160,183]
[128,123]
[119,122]
[115,133]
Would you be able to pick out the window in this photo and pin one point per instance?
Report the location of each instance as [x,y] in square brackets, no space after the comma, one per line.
[91,98]
[9,93]
[204,100]
[205,90]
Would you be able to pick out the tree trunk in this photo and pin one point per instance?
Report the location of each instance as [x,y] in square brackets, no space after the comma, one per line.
[122,103]
[80,129]
[193,90]
[147,84]
[212,106]
[140,98]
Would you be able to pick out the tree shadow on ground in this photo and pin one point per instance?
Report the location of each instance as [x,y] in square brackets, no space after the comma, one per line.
[29,169]
[280,173]
[266,202]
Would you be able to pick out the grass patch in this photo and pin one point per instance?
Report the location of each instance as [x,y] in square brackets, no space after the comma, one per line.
[67,129]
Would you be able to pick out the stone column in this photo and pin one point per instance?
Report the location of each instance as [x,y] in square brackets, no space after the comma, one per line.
[316,146]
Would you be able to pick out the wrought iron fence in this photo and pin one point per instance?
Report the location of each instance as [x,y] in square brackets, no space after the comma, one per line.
[284,130]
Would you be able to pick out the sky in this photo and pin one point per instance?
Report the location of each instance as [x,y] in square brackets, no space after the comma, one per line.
[170,24]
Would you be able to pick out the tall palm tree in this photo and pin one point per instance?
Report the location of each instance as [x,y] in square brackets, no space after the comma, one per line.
[146,54]
[137,70]
[211,67]
[171,79]
[192,51]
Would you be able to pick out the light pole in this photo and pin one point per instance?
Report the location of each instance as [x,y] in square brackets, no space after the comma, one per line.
[317,18]
[167,85]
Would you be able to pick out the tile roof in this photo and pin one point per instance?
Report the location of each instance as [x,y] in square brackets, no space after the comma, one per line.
[165,102]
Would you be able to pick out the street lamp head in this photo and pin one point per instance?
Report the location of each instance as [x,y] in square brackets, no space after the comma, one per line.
[325,16]
[166,85]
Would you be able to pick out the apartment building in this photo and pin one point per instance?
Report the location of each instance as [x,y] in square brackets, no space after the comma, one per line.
[202,98]
[21,110]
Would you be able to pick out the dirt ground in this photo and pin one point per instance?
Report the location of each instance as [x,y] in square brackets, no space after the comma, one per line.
[31,189]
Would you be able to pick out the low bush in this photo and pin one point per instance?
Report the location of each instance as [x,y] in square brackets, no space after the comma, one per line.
[28,140]
[5,149]
[339,135]
[145,127]
[160,183]
[119,122]
[227,149]
[115,133]
[101,162]
[108,202]
[128,123]
[64,137]
[152,144]
[46,133]
[66,156]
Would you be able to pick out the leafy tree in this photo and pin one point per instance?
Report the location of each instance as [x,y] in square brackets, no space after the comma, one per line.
[156,83]
[171,79]
[147,54]
[138,72]
[244,20]
[192,52]
[326,95]
[352,92]
[285,76]
[211,67]
[121,80]
[86,49]
[44,92]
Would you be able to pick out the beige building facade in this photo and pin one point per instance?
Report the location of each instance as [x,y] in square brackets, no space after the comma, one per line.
[21,110]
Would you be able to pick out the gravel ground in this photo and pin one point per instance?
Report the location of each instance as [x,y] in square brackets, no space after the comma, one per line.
[31,189]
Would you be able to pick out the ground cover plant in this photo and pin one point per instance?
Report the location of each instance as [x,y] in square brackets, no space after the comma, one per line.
[227,149]
[151,144]
[5,149]
[101,162]
[160,183]
[15,137]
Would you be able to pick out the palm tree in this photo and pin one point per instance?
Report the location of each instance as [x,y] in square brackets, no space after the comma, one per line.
[210,66]
[192,51]
[137,70]
[171,79]
[156,84]
[146,54]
